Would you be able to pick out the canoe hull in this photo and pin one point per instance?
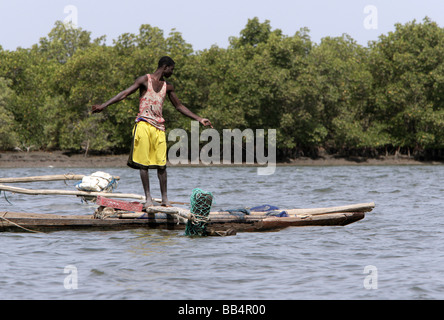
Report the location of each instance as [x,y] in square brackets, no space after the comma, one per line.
[21,222]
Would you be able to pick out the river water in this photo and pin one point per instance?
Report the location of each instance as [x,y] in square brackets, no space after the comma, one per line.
[394,253]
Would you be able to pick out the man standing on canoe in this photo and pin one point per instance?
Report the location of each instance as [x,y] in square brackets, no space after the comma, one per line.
[149,148]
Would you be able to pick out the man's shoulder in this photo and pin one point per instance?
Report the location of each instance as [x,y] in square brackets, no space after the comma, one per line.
[144,77]
[170,86]
[142,80]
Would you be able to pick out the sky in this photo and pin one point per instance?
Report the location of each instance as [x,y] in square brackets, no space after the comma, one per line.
[204,23]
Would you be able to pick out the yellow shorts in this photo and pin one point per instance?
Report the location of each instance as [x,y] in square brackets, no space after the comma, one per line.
[149,147]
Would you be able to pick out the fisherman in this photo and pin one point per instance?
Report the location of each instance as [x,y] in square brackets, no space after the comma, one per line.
[149,147]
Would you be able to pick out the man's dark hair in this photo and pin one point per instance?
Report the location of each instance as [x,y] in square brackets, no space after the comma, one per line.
[166,61]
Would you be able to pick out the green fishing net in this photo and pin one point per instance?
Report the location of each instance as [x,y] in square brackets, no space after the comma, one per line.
[201,202]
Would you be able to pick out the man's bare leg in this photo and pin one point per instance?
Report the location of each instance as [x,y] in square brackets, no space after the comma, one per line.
[163,181]
[146,187]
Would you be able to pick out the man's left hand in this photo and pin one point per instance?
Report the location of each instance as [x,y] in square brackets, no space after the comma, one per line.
[206,123]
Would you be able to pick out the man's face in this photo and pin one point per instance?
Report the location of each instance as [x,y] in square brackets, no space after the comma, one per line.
[168,71]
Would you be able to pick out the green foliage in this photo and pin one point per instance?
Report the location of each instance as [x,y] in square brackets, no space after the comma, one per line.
[408,91]
[336,95]
[8,137]
[63,41]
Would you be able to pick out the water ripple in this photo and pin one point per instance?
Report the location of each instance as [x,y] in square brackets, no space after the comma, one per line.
[402,238]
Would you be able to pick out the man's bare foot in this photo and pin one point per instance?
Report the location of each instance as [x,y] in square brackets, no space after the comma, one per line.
[166,203]
[148,204]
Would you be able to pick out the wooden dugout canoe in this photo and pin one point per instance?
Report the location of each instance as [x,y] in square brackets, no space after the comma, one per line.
[156,219]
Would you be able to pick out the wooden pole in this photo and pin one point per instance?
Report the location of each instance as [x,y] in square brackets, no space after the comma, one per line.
[181,214]
[362,207]
[70,193]
[60,177]
[81,194]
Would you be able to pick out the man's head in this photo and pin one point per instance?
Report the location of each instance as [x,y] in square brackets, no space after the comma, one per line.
[168,64]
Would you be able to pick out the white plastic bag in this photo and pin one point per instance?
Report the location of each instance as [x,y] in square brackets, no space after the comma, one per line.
[97,182]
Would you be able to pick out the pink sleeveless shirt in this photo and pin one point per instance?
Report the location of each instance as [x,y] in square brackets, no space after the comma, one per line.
[151,104]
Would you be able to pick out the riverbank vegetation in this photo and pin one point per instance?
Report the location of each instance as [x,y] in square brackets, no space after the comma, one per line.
[335,96]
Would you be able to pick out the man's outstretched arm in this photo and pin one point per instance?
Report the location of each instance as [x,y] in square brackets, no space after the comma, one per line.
[121,96]
[184,110]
